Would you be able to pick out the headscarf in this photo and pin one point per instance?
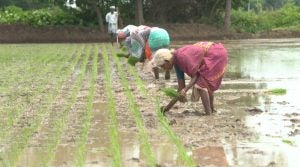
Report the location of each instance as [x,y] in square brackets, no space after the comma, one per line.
[160,56]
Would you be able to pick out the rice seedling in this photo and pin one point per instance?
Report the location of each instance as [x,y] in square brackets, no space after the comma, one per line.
[150,159]
[124,49]
[132,60]
[59,123]
[278,91]
[113,129]
[81,143]
[14,112]
[288,142]
[19,140]
[121,54]
[170,92]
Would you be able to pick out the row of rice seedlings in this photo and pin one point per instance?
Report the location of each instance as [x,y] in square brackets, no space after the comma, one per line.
[58,85]
[13,107]
[17,142]
[22,80]
[19,74]
[115,150]
[14,113]
[185,159]
[59,124]
[86,123]
[146,148]
[26,65]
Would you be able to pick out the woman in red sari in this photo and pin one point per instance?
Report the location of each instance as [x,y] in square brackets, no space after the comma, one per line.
[204,62]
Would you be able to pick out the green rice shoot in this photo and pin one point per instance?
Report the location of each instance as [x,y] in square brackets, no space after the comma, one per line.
[170,92]
[278,91]
[124,49]
[288,142]
[121,54]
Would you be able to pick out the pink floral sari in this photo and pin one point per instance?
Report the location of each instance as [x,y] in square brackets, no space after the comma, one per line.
[207,59]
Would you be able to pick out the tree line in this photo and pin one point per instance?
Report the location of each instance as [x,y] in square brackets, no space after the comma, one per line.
[92,12]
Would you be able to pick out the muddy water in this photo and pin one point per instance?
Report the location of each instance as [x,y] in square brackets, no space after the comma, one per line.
[265,64]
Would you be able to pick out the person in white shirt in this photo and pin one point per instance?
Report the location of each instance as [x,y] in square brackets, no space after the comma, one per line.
[112,21]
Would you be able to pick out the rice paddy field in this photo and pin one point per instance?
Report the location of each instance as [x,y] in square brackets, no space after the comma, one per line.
[81,105]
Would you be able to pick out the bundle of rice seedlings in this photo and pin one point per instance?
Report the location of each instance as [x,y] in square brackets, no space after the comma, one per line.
[124,49]
[170,92]
[121,55]
[132,60]
[278,91]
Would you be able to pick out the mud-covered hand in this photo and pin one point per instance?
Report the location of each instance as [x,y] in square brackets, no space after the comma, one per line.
[182,96]
[182,92]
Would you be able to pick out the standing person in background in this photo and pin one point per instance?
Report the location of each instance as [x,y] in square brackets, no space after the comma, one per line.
[112,21]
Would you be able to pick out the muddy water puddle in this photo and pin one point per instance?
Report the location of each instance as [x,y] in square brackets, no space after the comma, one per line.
[266,64]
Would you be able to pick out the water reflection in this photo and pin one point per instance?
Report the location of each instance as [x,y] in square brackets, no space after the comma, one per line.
[276,64]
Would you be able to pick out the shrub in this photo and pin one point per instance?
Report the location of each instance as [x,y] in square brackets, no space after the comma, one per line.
[286,17]
[40,17]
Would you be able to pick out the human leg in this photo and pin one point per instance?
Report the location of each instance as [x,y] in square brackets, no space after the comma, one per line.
[156,72]
[167,75]
[112,38]
[205,98]
[211,100]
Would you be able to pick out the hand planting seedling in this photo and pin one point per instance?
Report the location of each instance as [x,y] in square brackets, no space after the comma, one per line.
[176,97]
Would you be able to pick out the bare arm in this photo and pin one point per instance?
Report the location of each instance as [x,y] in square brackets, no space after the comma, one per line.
[181,85]
[191,83]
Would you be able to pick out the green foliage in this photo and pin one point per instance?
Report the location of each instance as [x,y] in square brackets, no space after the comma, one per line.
[11,14]
[243,21]
[40,17]
[289,15]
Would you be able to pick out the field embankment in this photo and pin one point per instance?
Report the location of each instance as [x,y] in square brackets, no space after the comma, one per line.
[29,34]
